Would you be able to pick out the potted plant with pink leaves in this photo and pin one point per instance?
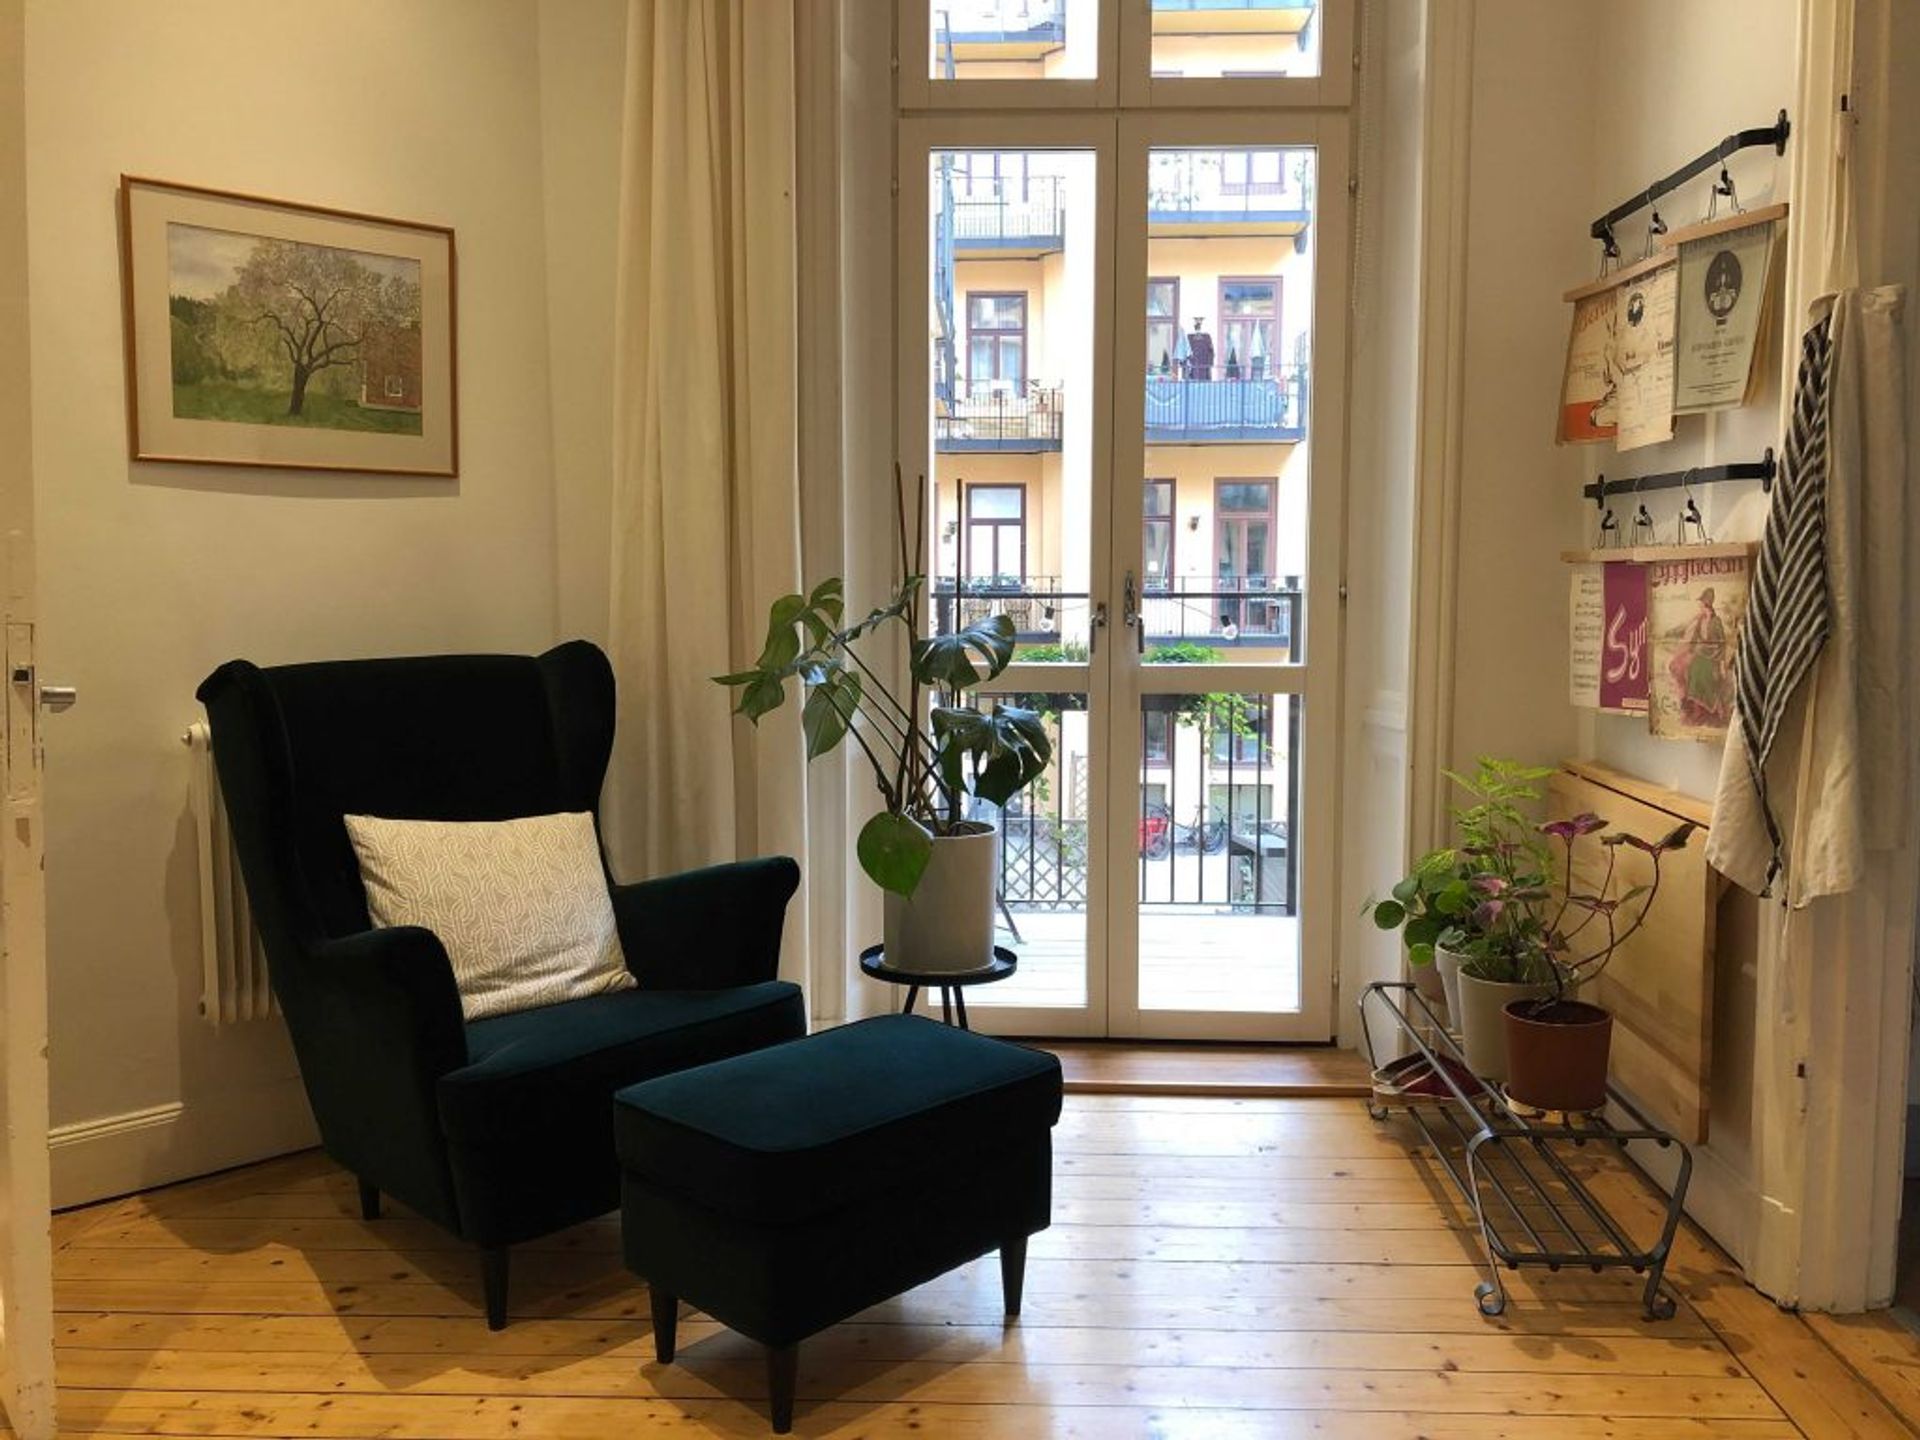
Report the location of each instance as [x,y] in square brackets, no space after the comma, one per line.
[1558,1046]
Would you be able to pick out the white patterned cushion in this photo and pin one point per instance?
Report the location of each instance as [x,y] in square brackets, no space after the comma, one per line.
[520,905]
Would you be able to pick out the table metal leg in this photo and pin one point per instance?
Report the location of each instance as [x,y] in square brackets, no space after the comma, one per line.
[960,1006]
[946,1003]
[913,994]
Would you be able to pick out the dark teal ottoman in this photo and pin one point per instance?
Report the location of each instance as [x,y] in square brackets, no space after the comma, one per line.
[785,1190]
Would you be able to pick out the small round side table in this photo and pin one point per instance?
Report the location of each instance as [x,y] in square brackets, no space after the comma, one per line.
[951,985]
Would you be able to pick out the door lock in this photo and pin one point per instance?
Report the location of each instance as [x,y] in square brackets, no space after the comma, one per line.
[1130,612]
[1095,624]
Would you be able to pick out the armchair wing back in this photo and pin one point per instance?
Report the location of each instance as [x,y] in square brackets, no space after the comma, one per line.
[444,737]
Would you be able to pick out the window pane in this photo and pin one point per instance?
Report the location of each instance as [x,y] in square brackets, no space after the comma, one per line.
[1160,296]
[994,502]
[1043,869]
[1218,878]
[1010,365]
[1013,39]
[1214,38]
[1230,229]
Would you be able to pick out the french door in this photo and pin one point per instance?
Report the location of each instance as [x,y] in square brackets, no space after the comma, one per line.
[1178,609]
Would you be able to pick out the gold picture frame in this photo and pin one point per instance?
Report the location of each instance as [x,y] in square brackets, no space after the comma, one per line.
[263,332]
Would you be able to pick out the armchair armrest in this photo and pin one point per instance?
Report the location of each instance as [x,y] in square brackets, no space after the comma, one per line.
[706,929]
[377,1023]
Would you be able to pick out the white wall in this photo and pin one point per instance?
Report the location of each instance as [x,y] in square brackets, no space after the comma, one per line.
[153,574]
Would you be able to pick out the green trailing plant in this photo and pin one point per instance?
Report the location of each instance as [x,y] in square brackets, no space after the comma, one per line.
[1500,901]
[929,750]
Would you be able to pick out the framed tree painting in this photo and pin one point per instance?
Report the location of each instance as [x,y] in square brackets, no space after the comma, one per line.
[260,332]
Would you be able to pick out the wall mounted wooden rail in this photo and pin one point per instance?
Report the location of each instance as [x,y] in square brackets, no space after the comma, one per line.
[1774,135]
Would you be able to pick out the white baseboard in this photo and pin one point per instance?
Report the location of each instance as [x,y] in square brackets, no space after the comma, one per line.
[139,1149]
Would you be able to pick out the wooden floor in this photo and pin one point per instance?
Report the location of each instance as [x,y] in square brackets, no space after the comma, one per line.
[1218,1268]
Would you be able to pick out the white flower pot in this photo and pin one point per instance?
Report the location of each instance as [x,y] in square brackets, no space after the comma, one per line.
[946,928]
[1448,964]
[1483,1022]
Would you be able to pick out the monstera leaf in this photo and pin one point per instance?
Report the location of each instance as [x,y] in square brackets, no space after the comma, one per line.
[894,850]
[948,659]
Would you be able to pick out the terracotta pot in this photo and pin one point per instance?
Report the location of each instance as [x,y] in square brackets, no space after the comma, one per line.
[947,927]
[1483,1033]
[1557,1054]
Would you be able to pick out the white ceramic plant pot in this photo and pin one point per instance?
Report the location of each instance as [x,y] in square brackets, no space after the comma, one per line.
[1448,964]
[1483,1024]
[947,926]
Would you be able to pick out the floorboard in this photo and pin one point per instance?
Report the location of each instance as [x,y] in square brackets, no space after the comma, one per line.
[1220,1267]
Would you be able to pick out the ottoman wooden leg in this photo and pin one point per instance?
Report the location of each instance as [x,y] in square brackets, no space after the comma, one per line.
[783,1364]
[1013,1272]
[666,1320]
[493,1280]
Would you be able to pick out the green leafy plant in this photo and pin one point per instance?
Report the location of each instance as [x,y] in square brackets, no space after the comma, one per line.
[930,750]
[1492,901]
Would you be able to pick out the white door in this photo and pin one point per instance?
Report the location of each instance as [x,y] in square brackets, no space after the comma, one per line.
[1177,449]
[26,1250]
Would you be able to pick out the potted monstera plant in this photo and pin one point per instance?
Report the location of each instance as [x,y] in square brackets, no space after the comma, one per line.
[943,761]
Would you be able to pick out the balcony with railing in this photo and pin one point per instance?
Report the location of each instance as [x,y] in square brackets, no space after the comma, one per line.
[1007,216]
[1230,192]
[1000,30]
[998,417]
[1220,407]
[1257,612]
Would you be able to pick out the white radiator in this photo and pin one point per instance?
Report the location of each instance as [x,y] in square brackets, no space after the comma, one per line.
[233,962]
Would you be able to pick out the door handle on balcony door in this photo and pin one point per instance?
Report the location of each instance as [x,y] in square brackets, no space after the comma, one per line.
[1095,624]
[1130,612]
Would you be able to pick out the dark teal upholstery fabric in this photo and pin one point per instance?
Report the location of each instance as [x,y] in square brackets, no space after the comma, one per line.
[527,1069]
[800,1129]
[520,1143]
[787,1189]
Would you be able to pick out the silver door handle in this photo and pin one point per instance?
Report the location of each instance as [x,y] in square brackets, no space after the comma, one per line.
[58,697]
[1095,624]
[1130,612]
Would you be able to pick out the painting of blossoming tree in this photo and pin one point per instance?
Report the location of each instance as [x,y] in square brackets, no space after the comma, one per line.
[268,331]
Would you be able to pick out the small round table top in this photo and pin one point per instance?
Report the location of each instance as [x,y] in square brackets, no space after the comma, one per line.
[873,961]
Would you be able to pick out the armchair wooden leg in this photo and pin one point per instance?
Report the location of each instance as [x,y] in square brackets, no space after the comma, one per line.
[369,1201]
[666,1321]
[783,1366]
[493,1277]
[1013,1272]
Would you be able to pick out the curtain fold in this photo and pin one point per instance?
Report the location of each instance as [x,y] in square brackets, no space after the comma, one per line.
[706,496]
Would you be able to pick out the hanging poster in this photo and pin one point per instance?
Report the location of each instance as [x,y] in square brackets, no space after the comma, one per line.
[1644,357]
[1623,644]
[1725,290]
[1696,608]
[1587,387]
[1586,623]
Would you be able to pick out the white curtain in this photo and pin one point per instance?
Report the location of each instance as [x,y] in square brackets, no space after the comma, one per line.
[706,510]
[753,432]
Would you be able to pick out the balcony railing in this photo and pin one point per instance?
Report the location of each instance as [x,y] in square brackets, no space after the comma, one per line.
[1229,611]
[1260,612]
[1010,213]
[990,22]
[995,416]
[1192,185]
[1221,407]
[1190,6]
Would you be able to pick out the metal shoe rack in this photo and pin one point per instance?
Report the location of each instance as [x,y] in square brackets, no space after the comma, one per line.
[1529,1201]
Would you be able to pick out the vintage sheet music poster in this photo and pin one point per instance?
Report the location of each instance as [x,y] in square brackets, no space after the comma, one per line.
[1725,299]
[1607,637]
[1587,388]
[1644,356]
[1695,608]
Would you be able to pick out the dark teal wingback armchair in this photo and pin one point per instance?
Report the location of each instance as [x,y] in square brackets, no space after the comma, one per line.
[500,1130]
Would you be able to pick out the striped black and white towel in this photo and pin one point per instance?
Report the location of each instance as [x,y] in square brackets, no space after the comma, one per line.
[1788,613]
